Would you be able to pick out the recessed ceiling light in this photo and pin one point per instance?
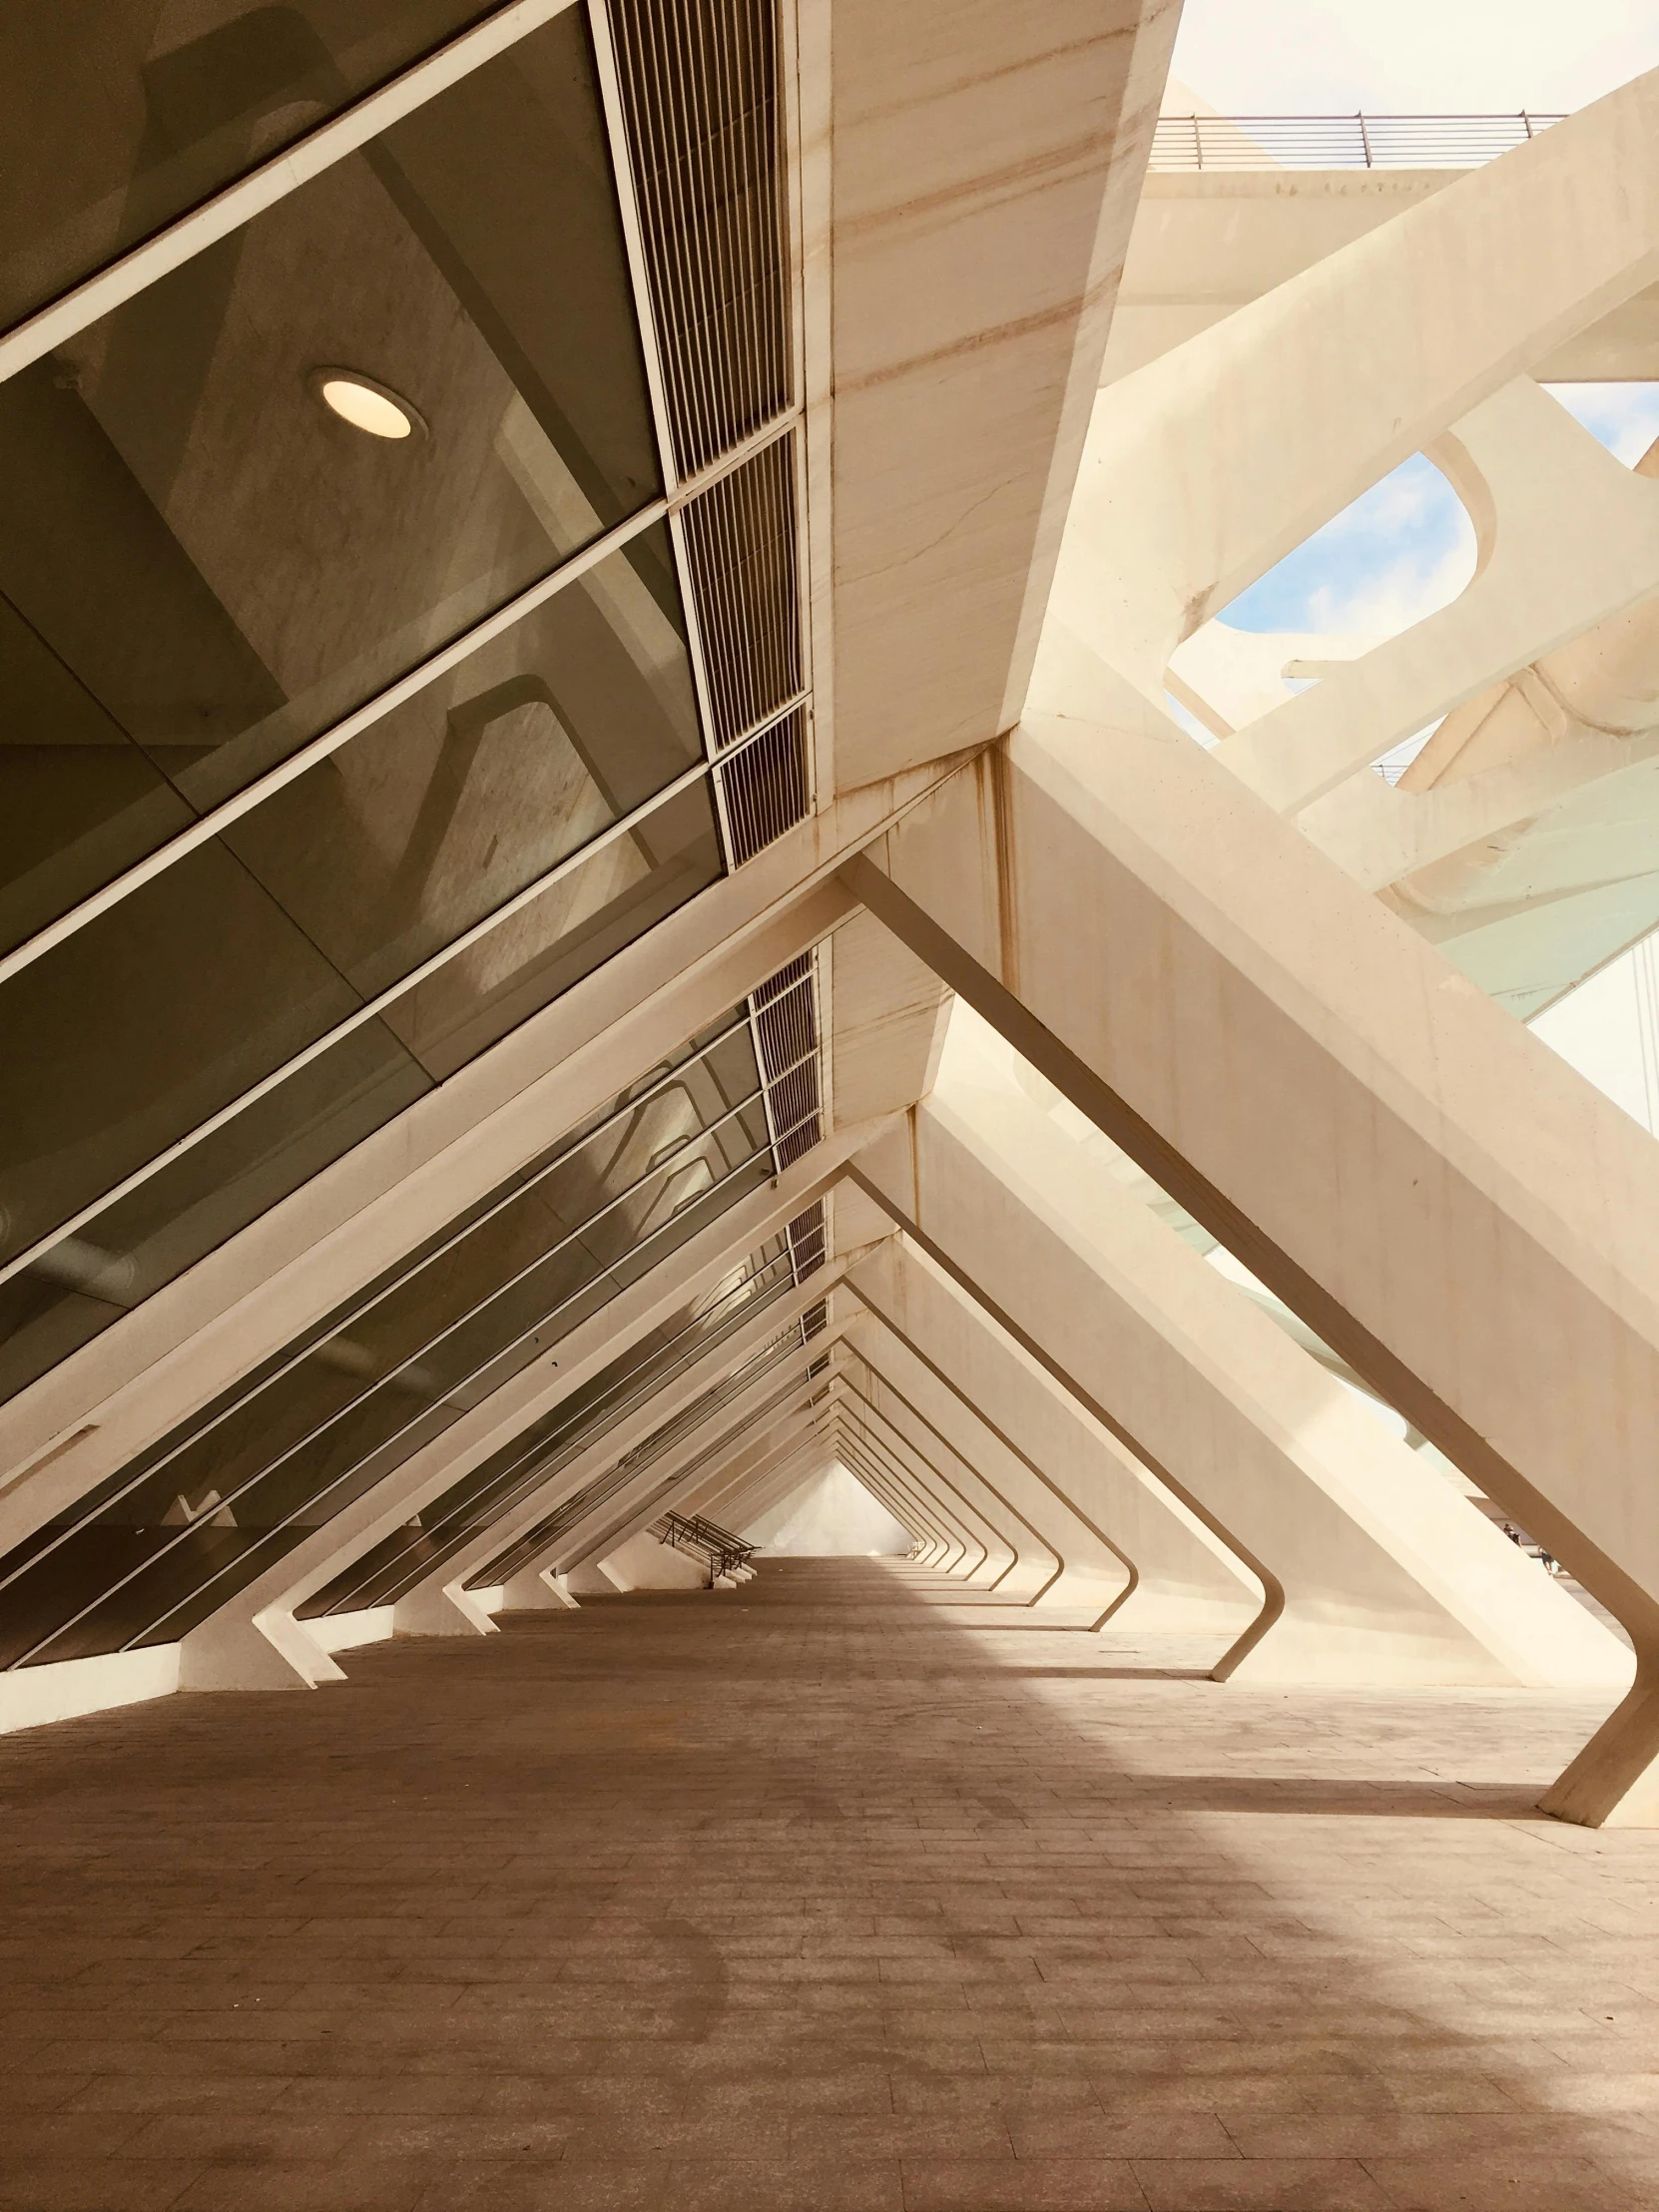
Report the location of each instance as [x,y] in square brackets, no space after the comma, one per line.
[367,405]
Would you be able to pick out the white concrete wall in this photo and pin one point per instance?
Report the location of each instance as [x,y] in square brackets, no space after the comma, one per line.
[831,1515]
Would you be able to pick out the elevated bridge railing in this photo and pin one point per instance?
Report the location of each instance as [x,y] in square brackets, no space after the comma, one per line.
[1238,142]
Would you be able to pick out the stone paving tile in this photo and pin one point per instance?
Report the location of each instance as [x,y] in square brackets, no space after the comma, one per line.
[823,1894]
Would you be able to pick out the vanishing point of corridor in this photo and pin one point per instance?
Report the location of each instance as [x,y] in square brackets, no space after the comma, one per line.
[843,1890]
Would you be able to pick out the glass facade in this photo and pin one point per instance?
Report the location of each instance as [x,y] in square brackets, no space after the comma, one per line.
[207,979]
[203,566]
[115,122]
[443,1527]
[247,510]
[172,1537]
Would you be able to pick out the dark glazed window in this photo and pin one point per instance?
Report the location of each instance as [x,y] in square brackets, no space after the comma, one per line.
[202,565]
[204,981]
[127,1252]
[120,115]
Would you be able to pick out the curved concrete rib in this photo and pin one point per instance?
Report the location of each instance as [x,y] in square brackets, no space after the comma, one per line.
[1449,1205]
[860,1285]
[1185,1578]
[895,1452]
[1386,1574]
[869,1470]
[1273,1595]
[884,1383]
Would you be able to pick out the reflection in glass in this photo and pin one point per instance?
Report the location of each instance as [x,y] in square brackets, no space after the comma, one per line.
[213,975]
[172,1537]
[123,123]
[203,566]
[88,1281]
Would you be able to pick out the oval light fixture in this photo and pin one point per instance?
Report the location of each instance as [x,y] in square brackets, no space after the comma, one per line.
[366,405]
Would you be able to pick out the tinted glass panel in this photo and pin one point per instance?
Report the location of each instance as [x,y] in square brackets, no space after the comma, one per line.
[169,1538]
[210,977]
[75,1291]
[204,565]
[118,117]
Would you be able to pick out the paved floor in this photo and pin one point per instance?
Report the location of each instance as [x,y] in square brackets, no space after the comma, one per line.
[819,1892]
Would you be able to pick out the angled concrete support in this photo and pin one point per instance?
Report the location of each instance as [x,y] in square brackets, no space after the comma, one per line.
[538,1497]
[535,1591]
[970,1374]
[1376,1570]
[934,1551]
[438,1609]
[1041,1565]
[946,1481]
[1391,1154]
[938,1549]
[877,1449]
[676,1283]
[737,1502]
[756,1412]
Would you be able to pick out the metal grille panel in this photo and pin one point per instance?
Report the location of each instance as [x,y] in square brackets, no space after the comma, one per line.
[699,81]
[766,786]
[1227,142]
[741,556]
[785,1013]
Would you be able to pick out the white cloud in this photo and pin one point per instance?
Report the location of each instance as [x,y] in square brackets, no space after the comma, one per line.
[1412,57]
[1626,418]
[1399,591]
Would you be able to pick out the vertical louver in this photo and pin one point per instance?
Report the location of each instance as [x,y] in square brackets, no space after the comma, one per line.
[785,1016]
[805,1235]
[741,555]
[699,84]
[766,787]
[699,81]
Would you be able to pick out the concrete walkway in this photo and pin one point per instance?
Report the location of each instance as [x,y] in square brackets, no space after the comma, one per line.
[833,1891]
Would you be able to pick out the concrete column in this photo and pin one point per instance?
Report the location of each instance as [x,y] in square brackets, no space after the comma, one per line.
[967,1370]
[1376,1571]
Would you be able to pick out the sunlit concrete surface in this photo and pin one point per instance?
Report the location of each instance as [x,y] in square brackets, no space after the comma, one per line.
[839,1890]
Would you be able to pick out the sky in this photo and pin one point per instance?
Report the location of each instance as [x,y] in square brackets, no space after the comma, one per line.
[1407,547]
[1412,57]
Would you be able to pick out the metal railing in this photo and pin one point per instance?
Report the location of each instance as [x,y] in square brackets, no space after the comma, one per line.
[706,1540]
[1229,141]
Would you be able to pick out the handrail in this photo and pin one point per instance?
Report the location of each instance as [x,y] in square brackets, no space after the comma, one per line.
[716,1546]
[1244,141]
